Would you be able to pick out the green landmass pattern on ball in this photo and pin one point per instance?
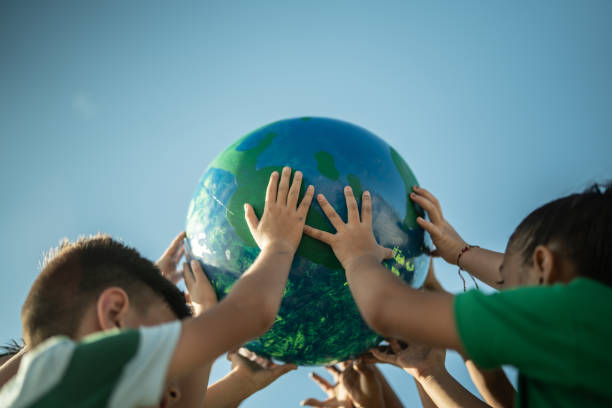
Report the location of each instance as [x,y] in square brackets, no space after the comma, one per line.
[252,184]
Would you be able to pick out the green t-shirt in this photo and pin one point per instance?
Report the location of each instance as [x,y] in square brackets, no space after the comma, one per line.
[111,369]
[558,337]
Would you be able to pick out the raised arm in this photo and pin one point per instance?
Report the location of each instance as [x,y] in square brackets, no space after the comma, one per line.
[10,367]
[250,308]
[493,385]
[482,263]
[387,304]
[250,373]
[426,365]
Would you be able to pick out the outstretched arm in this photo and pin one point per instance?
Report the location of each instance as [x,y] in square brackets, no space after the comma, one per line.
[493,385]
[10,367]
[482,263]
[250,373]
[250,308]
[387,304]
[426,365]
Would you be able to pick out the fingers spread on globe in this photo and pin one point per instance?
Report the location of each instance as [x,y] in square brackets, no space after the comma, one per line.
[282,223]
[354,239]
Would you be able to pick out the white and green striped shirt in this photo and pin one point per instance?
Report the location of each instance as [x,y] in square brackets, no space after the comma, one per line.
[111,369]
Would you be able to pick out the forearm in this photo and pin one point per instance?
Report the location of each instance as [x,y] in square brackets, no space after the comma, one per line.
[390,397]
[493,385]
[394,309]
[263,284]
[370,283]
[484,265]
[193,388]
[10,368]
[224,393]
[247,312]
[425,399]
[445,391]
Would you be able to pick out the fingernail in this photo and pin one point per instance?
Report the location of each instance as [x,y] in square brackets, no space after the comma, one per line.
[347,188]
[298,174]
[366,193]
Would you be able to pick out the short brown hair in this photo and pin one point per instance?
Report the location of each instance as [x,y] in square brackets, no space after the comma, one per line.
[75,274]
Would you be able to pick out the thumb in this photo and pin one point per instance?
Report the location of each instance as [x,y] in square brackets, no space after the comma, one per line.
[382,357]
[283,369]
[251,219]
[387,253]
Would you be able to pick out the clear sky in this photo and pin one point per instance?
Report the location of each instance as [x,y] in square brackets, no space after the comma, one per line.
[110,111]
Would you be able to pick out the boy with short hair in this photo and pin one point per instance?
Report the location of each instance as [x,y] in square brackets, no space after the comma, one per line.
[555,331]
[129,367]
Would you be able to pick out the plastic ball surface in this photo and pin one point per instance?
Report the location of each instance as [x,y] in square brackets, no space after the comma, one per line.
[318,321]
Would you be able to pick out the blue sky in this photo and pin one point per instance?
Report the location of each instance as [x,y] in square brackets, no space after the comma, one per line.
[110,111]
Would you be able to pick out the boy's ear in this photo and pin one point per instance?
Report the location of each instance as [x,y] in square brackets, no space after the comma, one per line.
[112,308]
[545,265]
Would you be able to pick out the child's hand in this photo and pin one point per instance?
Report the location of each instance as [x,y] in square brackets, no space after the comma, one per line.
[169,260]
[447,241]
[355,239]
[356,386]
[282,223]
[252,373]
[200,293]
[417,360]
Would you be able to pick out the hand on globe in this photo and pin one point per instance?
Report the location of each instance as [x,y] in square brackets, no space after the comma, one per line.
[200,293]
[169,260]
[282,224]
[447,241]
[353,240]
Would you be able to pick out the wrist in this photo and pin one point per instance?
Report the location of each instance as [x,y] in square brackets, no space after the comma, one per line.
[461,253]
[360,261]
[235,386]
[279,248]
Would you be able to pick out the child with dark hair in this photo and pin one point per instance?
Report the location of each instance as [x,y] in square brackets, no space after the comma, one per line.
[99,284]
[555,331]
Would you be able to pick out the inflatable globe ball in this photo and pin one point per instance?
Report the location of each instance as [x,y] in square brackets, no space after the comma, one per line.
[318,321]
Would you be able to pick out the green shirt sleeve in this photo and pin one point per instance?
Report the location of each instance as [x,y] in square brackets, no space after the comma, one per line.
[527,328]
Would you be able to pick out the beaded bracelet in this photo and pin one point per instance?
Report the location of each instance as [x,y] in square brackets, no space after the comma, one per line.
[464,250]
